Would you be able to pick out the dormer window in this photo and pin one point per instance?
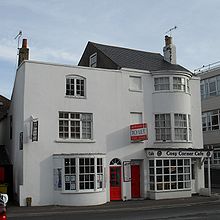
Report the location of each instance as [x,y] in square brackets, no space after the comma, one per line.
[75,86]
[93,60]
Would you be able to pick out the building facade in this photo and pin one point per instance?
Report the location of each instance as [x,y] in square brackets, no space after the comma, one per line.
[123,124]
[210,95]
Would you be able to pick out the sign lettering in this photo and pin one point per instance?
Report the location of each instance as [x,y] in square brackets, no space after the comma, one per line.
[138,132]
[35,131]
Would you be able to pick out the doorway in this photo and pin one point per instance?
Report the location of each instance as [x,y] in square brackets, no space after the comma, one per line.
[115,179]
[115,183]
[193,173]
[135,181]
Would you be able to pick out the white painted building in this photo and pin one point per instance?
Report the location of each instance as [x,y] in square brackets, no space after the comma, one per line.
[70,140]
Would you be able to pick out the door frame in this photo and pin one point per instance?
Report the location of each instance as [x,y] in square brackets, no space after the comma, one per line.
[115,163]
[193,175]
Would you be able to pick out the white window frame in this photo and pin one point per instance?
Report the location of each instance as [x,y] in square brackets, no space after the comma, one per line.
[163,127]
[75,86]
[179,83]
[70,176]
[206,91]
[208,120]
[172,174]
[180,127]
[82,173]
[75,126]
[93,60]
[162,83]
[139,85]
[189,128]
[136,118]
[86,173]
[168,128]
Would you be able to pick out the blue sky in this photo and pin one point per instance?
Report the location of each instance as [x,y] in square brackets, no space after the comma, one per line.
[58,30]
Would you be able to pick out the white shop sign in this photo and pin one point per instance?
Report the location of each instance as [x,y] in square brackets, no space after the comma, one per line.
[179,153]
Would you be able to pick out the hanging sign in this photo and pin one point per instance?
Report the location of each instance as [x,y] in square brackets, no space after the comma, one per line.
[21,141]
[35,131]
[138,132]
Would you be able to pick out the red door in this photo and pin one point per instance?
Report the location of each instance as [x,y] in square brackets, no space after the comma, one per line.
[135,181]
[115,183]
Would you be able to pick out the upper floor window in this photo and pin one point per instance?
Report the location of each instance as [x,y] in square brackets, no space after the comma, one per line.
[75,86]
[74,125]
[173,127]
[93,60]
[180,126]
[163,127]
[211,120]
[162,83]
[210,87]
[135,83]
[179,83]
[175,83]
[136,118]
[190,127]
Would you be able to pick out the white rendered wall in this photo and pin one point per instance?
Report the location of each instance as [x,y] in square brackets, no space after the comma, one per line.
[45,97]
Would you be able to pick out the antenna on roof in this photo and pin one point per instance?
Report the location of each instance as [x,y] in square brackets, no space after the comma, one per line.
[18,36]
[170,30]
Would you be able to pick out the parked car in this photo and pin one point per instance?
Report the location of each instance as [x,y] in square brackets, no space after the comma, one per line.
[3,212]
[3,203]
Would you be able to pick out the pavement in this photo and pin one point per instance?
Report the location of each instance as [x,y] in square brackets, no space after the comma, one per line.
[16,211]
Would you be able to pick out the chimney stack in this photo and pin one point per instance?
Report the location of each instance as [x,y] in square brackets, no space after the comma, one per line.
[169,50]
[23,52]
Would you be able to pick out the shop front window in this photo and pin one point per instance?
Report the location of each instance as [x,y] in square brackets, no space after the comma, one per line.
[169,174]
[83,174]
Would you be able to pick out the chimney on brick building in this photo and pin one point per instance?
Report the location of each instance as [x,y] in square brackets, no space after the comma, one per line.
[23,52]
[169,50]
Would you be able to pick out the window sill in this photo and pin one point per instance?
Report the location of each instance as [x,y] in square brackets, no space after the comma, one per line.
[171,91]
[169,190]
[168,141]
[133,90]
[81,191]
[75,97]
[74,141]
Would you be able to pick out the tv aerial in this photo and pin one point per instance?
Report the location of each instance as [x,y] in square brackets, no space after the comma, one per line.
[18,36]
[171,29]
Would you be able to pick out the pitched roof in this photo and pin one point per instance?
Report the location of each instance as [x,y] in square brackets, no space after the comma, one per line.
[136,59]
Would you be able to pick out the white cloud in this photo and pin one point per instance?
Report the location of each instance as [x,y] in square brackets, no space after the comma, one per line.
[53,55]
[8,50]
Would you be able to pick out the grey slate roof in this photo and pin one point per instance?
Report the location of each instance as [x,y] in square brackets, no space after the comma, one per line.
[136,59]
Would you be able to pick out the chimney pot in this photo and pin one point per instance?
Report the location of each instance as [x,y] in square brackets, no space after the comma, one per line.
[168,40]
[24,43]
